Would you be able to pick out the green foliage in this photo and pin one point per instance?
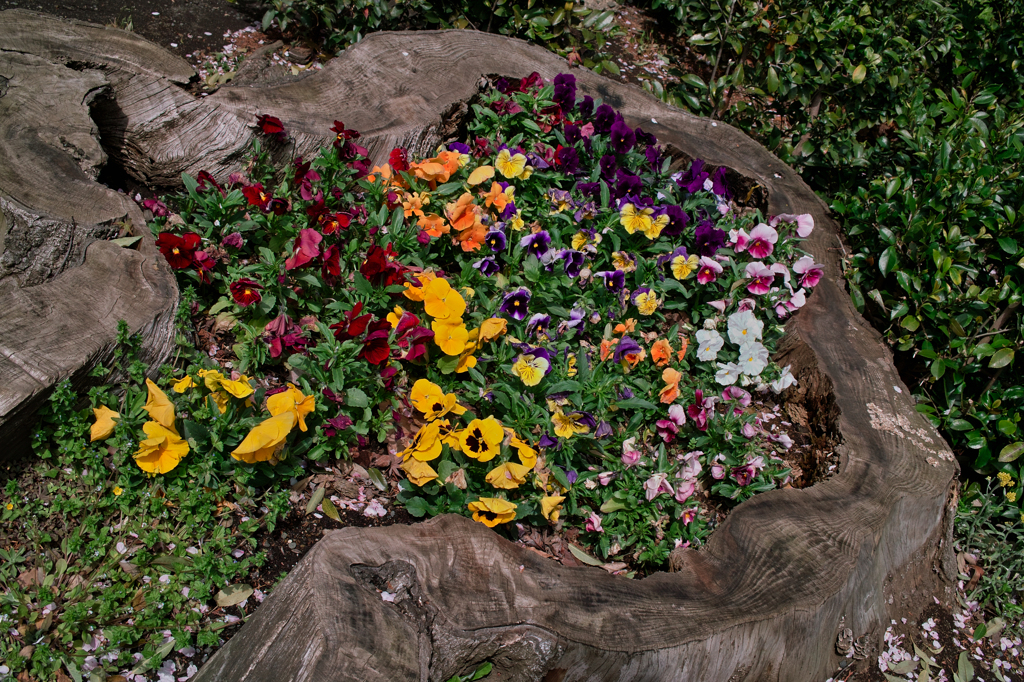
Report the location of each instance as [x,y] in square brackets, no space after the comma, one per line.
[991,528]
[336,24]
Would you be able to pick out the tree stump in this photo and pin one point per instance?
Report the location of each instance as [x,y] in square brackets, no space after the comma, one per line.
[63,289]
[780,581]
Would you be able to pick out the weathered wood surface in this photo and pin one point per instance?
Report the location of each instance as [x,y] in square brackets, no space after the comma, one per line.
[768,595]
[62,292]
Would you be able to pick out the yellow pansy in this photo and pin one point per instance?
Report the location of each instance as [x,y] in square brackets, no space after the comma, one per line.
[636,220]
[162,450]
[426,444]
[450,335]
[530,369]
[481,439]
[442,302]
[428,398]
[480,174]
[104,425]
[266,440]
[527,455]
[159,407]
[183,384]
[293,401]
[509,165]
[507,476]
[646,302]
[492,328]
[567,426]
[491,511]
[684,266]
[419,473]
[550,506]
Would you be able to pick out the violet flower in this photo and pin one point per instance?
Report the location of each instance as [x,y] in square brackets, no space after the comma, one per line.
[708,238]
[693,179]
[625,346]
[515,304]
[538,323]
[604,429]
[536,243]
[573,262]
[604,117]
[496,240]
[623,138]
[487,266]
[614,280]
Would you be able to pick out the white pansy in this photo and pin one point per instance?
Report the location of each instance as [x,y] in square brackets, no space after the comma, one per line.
[709,342]
[745,327]
[753,358]
[783,382]
[727,373]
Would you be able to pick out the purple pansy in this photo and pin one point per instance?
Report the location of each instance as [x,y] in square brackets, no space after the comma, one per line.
[573,261]
[487,266]
[614,280]
[516,303]
[536,243]
[709,239]
[496,240]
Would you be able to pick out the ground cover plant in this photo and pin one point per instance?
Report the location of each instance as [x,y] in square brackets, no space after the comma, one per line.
[543,325]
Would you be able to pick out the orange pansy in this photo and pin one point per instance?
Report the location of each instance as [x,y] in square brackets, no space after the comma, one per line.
[661,352]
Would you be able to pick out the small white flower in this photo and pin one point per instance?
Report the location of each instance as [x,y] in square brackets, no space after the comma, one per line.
[709,342]
[708,185]
[753,358]
[727,373]
[745,327]
[783,382]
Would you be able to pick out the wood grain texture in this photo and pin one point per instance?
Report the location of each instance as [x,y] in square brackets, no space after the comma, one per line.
[62,292]
[764,599]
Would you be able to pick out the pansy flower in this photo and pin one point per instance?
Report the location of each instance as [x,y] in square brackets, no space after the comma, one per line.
[646,301]
[761,278]
[693,179]
[761,241]
[683,265]
[450,335]
[585,238]
[622,137]
[709,239]
[487,266]
[728,373]
[708,270]
[511,165]
[418,472]
[569,425]
[246,292]
[376,348]
[536,243]
[481,439]
[104,425]
[670,392]
[604,117]
[625,348]
[624,261]
[179,251]
[804,223]
[677,220]
[744,326]
[507,476]
[353,324]
[811,272]
[428,398]
[753,358]
[565,91]
[491,511]
[572,261]
[709,342]
[496,240]
[538,323]
[426,444]
[532,365]
[306,248]
[272,126]
[516,303]
[614,280]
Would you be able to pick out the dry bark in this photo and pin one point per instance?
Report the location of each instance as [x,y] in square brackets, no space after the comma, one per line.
[62,292]
[777,582]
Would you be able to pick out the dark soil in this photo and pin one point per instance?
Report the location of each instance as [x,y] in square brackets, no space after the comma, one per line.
[180,26]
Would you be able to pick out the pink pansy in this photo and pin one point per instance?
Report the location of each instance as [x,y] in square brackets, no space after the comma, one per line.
[796,301]
[677,414]
[587,130]
[781,269]
[656,485]
[688,516]
[782,439]
[717,471]
[667,429]
[629,456]
[738,394]
[708,271]
[606,477]
[746,305]
[691,465]
[804,223]
[744,475]
[684,489]
[719,305]
[740,239]
[761,278]
[594,523]
[811,272]
[307,247]
[748,430]
[762,241]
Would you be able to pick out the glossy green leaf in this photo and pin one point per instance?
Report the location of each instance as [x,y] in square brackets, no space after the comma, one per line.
[1001,358]
[1011,452]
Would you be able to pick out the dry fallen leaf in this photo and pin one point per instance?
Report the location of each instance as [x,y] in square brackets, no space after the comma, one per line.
[233,595]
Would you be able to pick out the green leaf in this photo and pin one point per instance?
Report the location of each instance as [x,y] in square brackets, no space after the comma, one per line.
[910,323]
[938,368]
[559,475]
[888,260]
[330,510]
[417,507]
[636,403]
[569,386]
[583,556]
[125,242]
[892,187]
[694,80]
[317,498]
[377,478]
[773,79]
[960,425]
[1011,452]
[610,505]
[354,397]
[859,73]
[1005,243]
[448,364]
[232,595]
[1001,358]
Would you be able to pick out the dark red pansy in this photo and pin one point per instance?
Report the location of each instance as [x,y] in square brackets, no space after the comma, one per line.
[179,251]
[399,159]
[246,292]
[307,247]
[271,125]
[376,349]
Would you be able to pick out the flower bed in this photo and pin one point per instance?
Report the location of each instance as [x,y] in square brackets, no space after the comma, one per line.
[516,312]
